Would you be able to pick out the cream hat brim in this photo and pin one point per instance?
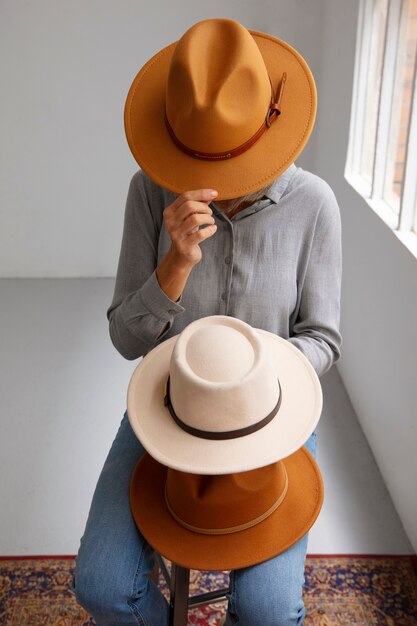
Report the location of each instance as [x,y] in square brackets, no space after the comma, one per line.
[297,417]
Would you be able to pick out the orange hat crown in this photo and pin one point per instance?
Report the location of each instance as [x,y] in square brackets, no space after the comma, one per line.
[223,504]
[218,89]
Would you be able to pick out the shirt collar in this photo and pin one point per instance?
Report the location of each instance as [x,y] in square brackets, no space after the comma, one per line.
[276,190]
[273,194]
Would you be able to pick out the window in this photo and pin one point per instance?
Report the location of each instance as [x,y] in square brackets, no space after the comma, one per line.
[382,153]
[373,89]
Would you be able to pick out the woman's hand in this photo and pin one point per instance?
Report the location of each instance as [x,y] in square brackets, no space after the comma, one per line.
[183,219]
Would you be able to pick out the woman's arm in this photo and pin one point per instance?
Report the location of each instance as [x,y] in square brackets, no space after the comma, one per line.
[147,296]
[316,329]
[183,219]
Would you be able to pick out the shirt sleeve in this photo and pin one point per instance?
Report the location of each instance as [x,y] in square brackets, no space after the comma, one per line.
[140,313]
[316,329]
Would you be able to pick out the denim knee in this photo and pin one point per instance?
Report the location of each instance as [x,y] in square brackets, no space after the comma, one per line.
[270,593]
[257,606]
[95,590]
[103,590]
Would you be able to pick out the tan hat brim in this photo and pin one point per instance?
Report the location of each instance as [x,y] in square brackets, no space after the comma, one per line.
[291,520]
[167,165]
[297,417]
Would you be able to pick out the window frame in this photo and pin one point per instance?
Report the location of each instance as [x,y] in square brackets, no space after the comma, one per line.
[400,224]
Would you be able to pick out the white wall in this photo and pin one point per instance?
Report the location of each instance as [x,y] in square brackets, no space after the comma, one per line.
[63,394]
[379,298]
[65,69]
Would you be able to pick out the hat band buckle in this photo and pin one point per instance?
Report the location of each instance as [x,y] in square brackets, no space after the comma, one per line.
[219,435]
[273,112]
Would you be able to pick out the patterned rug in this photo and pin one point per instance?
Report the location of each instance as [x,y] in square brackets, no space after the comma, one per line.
[339,591]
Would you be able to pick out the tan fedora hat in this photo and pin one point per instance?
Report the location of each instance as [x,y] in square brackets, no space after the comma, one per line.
[223,397]
[227,521]
[224,107]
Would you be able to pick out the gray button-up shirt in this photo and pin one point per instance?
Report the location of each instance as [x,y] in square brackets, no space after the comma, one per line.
[275,265]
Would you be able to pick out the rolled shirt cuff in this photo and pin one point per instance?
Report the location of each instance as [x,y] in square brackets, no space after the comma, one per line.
[150,312]
[157,302]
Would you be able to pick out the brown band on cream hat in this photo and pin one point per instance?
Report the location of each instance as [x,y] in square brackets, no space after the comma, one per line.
[226,434]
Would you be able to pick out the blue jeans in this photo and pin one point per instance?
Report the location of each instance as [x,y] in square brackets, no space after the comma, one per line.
[111,579]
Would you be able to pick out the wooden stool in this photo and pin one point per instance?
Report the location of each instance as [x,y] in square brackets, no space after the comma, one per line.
[180,601]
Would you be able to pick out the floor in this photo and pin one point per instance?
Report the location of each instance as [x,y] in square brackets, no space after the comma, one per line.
[63,389]
[358,516]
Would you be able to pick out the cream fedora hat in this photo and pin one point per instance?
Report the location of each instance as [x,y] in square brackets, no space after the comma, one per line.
[223,397]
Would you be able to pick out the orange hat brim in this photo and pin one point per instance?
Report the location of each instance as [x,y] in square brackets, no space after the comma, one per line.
[289,523]
[156,153]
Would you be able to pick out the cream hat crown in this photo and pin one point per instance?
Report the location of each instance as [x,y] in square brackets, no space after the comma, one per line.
[222,381]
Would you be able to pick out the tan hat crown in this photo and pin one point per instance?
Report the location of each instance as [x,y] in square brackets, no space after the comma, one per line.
[222,382]
[218,89]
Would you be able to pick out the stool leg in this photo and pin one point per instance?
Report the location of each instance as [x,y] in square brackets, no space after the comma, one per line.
[178,605]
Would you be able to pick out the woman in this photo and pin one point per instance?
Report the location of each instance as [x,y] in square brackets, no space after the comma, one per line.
[260,242]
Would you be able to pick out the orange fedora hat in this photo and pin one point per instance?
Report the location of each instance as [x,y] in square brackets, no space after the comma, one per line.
[226,521]
[224,108]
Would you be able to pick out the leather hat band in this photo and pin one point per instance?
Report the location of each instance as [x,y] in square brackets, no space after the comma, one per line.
[273,112]
[218,435]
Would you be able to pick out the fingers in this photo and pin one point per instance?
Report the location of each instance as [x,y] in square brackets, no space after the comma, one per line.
[197,195]
[191,203]
[201,234]
[184,219]
[192,223]
[191,206]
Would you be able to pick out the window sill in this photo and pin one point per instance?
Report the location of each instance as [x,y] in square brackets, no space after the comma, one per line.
[407,238]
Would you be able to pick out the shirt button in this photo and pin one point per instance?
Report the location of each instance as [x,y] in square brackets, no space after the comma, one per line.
[172,311]
[227,260]
[224,296]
